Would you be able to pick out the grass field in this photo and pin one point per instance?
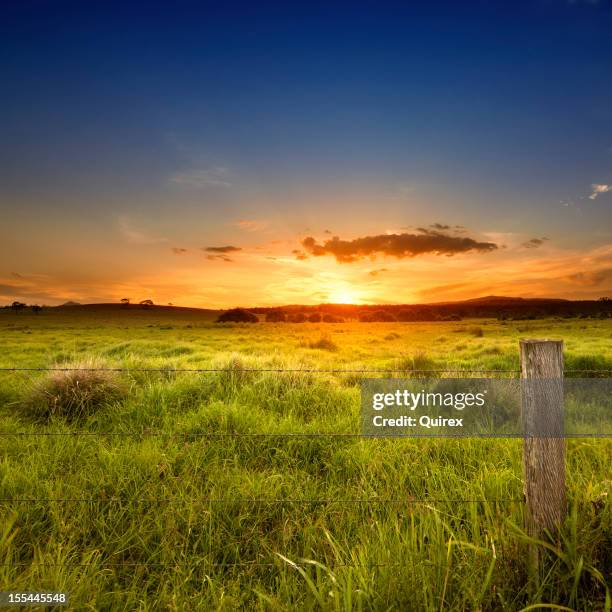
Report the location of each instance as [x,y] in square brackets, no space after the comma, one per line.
[145,519]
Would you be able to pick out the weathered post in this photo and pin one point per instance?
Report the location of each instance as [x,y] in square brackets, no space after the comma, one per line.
[544,444]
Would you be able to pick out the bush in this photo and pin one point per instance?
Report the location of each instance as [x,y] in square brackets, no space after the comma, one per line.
[298,317]
[315,317]
[73,394]
[406,316]
[328,318]
[378,316]
[275,316]
[237,315]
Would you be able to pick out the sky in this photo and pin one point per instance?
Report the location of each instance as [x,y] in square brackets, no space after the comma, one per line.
[229,154]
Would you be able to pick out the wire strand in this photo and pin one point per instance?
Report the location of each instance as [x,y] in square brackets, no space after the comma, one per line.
[374,500]
[287,435]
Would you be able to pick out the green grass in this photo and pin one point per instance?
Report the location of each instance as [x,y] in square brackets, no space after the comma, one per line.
[197,519]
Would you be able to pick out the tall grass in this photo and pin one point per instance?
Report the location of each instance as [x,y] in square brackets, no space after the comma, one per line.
[190,511]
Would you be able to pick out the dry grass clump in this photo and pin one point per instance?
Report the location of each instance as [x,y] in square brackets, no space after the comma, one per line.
[392,336]
[73,394]
[418,361]
[324,343]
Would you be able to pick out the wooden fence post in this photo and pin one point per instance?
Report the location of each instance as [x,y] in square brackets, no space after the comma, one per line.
[544,444]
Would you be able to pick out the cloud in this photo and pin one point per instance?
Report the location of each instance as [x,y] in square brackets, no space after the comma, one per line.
[439,226]
[598,189]
[395,245]
[179,251]
[222,249]
[534,243]
[135,236]
[251,225]
[17,275]
[378,271]
[219,257]
[299,255]
[590,278]
[10,292]
[215,176]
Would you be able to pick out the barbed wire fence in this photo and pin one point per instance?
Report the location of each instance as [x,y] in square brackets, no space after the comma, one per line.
[393,502]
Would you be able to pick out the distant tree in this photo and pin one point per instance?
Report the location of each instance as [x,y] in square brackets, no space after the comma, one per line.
[329,318]
[18,306]
[146,303]
[297,317]
[378,316]
[604,299]
[275,316]
[315,317]
[406,316]
[36,308]
[237,315]
[125,300]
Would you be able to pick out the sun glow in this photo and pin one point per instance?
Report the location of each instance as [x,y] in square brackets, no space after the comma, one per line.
[343,295]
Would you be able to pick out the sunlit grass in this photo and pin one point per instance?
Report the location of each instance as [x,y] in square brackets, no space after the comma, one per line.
[182,506]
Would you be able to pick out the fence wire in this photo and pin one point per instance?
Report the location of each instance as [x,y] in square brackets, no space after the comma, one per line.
[296,370]
[250,501]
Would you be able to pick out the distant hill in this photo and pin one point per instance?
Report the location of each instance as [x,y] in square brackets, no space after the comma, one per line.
[112,307]
[491,306]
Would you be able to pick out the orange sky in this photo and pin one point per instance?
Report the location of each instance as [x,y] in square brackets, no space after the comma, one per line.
[210,156]
[140,264]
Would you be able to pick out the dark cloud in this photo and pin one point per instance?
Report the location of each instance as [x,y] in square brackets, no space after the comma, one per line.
[396,245]
[534,243]
[219,258]
[590,278]
[439,226]
[221,249]
[30,292]
[16,275]
[179,250]
[378,271]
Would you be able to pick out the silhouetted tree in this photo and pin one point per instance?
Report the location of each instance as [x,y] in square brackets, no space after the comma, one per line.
[275,316]
[315,317]
[146,303]
[378,316]
[36,308]
[17,306]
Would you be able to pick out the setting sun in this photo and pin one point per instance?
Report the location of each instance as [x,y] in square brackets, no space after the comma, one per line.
[343,295]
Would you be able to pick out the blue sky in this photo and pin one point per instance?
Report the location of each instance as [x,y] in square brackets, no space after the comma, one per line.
[140,129]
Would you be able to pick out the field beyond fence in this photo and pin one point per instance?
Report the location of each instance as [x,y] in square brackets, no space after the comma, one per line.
[179,464]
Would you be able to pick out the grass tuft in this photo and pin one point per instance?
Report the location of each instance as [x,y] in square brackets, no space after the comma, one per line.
[324,343]
[73,394]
